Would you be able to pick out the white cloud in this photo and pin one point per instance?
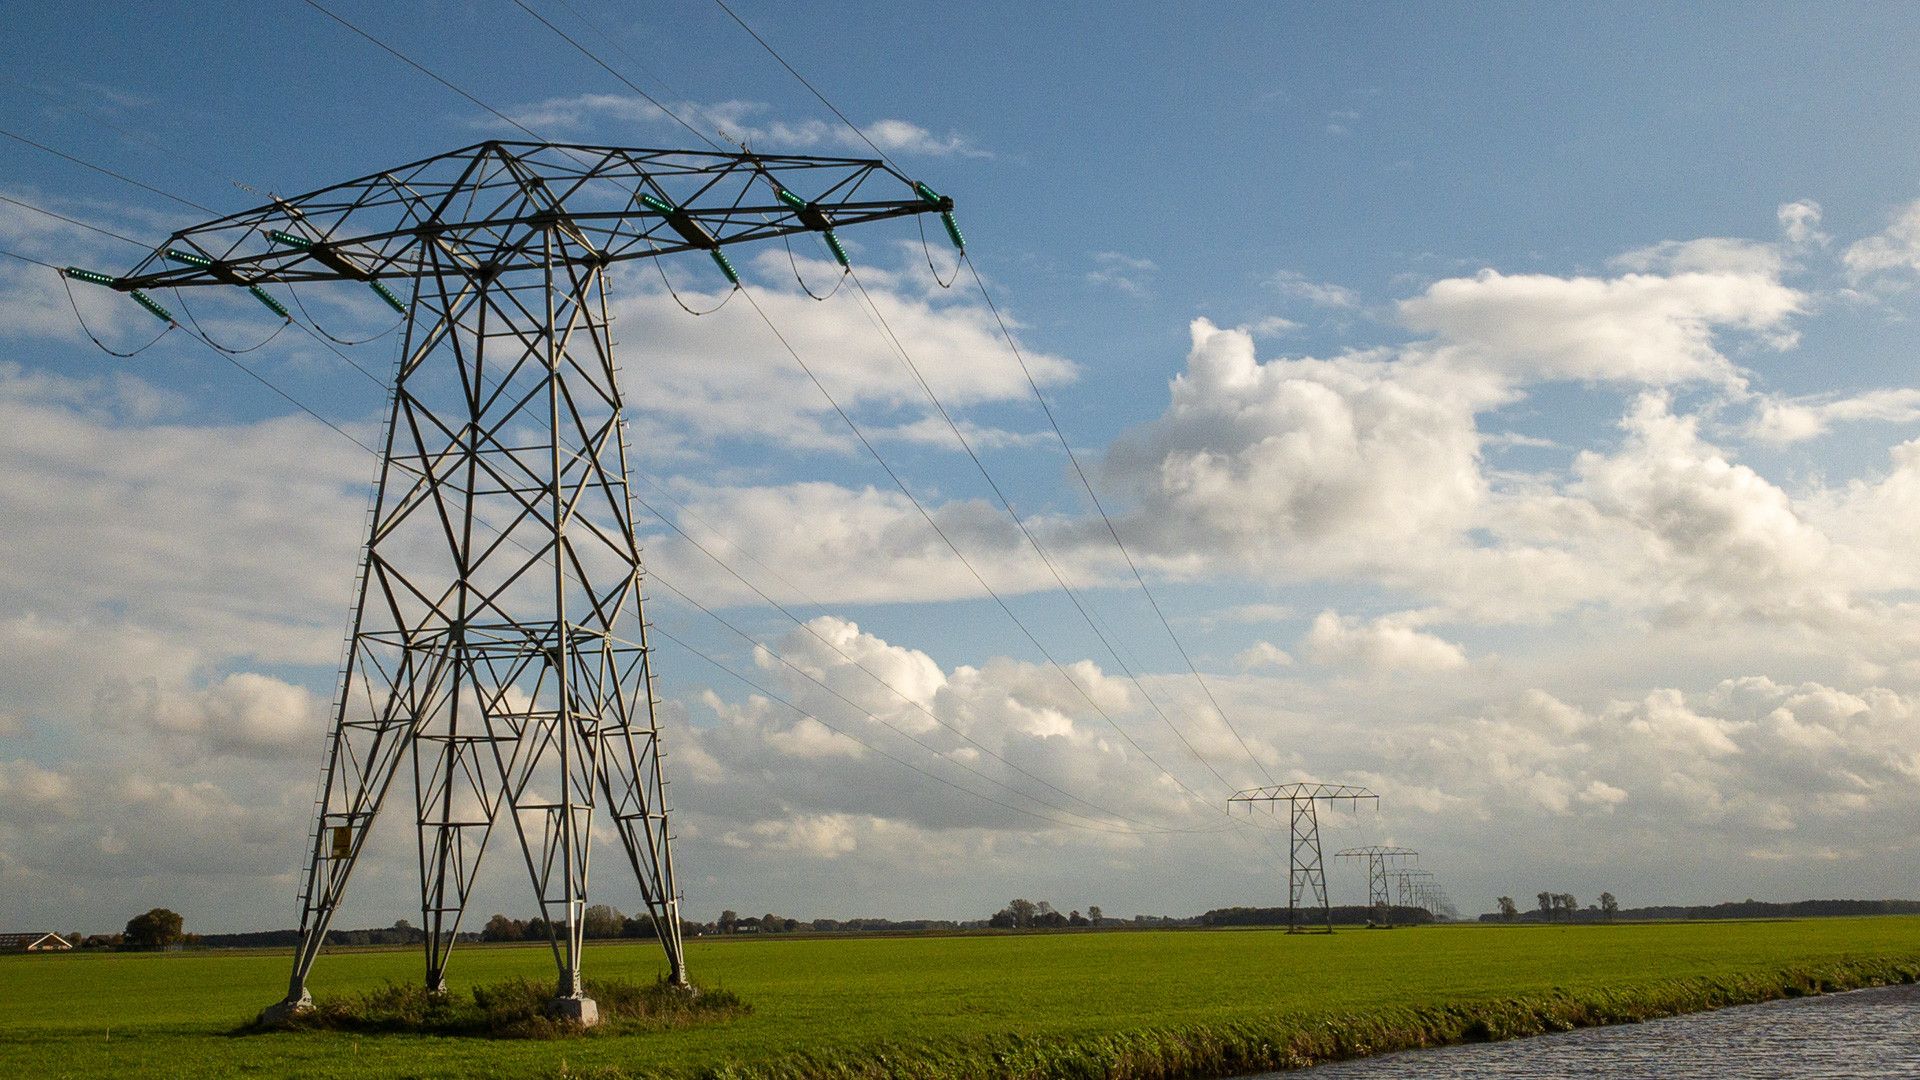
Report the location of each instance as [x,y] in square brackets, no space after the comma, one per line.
[1262,654]
[1118,270]
[736,121]
[760,393]
[1354,453]
[1388,643]
[1707,255]
[1295,286]
[1781,421]
[1272,326]
[1895,248]
[1800,222]
[1638,328]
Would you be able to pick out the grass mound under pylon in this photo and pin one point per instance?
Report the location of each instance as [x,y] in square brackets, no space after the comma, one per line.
[513,1009]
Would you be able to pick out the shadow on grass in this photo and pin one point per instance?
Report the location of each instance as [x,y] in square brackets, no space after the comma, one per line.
[515,1009]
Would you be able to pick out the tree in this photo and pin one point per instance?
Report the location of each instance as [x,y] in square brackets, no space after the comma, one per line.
[602,921]
[1077,919]
[1609,907]
[1023,912]
[501,928]
[1093,914]
[1508,909]
[728,920]
[1547,903]
[157,929]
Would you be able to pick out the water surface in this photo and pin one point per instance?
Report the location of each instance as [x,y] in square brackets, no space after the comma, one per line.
[1861,1035]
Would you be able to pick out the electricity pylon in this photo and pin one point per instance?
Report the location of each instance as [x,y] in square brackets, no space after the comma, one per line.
[498,645]
[1306,870]
[1380,862]
[1416,889]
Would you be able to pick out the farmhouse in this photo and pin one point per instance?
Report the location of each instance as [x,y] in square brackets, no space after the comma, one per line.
[33,943]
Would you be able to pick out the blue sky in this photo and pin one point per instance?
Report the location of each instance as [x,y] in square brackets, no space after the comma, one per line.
[1508,405]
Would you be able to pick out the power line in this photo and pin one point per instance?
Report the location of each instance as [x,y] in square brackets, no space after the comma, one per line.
[1054,423]
[73,221]
[875,676]
[298,404]
[1034,385]
[421,68]
[589,54]
[968,563]
[757,687]
[146,140]
[122,177]
[771,51]
[27,258]
[810,677]
[1007,504]
[844,416]
[229,355]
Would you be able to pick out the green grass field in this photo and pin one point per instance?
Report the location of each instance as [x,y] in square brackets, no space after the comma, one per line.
[1179,1003]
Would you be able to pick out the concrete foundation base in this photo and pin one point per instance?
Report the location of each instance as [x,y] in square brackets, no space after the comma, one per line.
[580,1010]
[282,1011]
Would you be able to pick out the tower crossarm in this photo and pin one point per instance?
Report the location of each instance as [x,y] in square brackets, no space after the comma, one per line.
[1291,792]
[1376,851]
[484,207]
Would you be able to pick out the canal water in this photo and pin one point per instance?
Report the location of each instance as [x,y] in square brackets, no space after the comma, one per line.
[1861,1035]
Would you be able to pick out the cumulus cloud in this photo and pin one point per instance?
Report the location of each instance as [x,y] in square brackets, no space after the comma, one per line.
[1252,457]
[1744,760]
[1262,654]
[1715,536]
[1781,421]
[1895,248]
[1707,255]
[1638,329]
[1388,643]
[1800,222]
[760,393]
[1294,285]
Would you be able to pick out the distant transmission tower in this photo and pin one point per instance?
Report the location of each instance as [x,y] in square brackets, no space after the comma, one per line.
[1381,861]
[1306,870]
[498,644]
[1416,889]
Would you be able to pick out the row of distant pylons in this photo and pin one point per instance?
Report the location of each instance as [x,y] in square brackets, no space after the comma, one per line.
[1394,878]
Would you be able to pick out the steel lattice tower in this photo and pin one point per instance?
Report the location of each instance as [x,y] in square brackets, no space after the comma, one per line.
[1306,870]
[1381,862]
[498,649]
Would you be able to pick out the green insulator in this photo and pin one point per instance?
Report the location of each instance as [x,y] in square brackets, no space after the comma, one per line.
[89,276]
[658,205]
[791,199]
[927,193]
[147,302]
[726,266]
[289,239]
[953,230]
[189,257]
[839,253]
[273,305]
[386,294]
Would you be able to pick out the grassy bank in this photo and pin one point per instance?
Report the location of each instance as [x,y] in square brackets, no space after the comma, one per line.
[1158,1005]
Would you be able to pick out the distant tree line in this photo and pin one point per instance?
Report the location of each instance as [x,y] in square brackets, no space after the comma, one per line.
[1021,914]
[1563,907]
[1347,914]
